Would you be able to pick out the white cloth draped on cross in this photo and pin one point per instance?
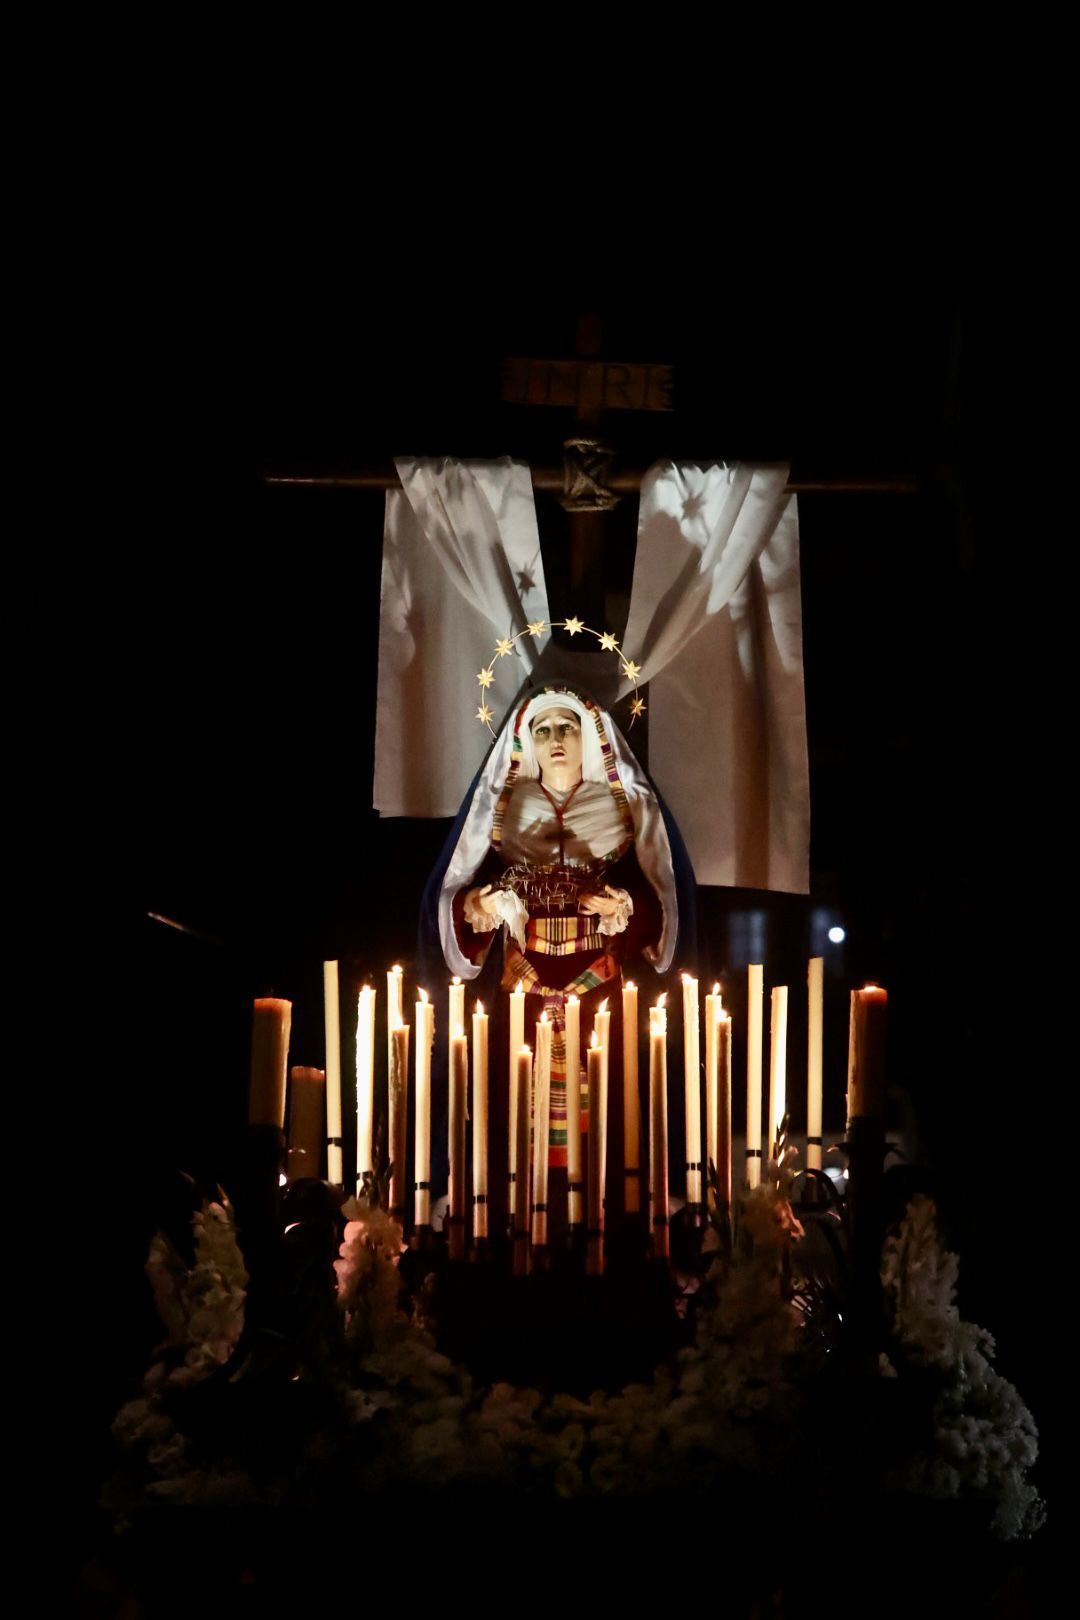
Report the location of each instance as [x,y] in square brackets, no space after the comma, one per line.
[714,622]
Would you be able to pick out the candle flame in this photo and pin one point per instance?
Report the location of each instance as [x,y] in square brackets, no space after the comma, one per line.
[544,1016]
[716,989]
[520,987]
[423,995]
[396,968]
[456,979]
[480,1007]
[570,999]
[686,979]
[602,1007]
[629,985]
[662,1002]
[459,1033]
[595,1039]
[871,987]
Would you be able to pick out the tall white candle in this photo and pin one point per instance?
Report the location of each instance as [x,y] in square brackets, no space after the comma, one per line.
[692,1081]
[594,1239]
[714,1008]
[777,1065]
[335,1172]
[425,1035]
[541,1132]
[754,1015]
[598,1126]
[575,1177]
[814,1051]
[459,1080]
[631,1114]
[395,1009]
[455,1012]
[723,1111]
[270,1026]
[517,1041]
[365,1080]
[480,1122]
[658,1148]
[519,1203]
[398,1104]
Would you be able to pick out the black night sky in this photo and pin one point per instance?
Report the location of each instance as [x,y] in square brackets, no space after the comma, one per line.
[198,693]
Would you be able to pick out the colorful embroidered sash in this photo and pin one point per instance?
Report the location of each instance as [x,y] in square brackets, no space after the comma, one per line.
[564,936]
[518,970]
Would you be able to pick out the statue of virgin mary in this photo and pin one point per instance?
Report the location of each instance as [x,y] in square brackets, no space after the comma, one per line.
[564,848]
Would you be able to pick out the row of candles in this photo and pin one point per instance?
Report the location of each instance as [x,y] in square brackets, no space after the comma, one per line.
[529,1080]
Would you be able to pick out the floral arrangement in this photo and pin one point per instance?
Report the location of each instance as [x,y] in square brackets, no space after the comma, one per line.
[750,1397]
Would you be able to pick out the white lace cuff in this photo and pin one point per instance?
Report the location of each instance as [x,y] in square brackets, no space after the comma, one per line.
[616,923]
[509,909]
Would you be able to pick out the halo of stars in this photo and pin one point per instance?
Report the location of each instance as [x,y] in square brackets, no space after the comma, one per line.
[573,627]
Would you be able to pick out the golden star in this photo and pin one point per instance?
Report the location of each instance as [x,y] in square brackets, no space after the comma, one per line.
[537,629]
[486,676]
[484,713]
[631,670]
[572,626]
[608,642]
[637,708]
[503,647]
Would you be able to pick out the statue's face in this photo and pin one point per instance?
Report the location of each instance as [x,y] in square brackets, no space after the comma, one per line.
[556,735]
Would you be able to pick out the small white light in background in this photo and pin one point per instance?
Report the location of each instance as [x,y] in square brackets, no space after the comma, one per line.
[837,935]
[282,1179]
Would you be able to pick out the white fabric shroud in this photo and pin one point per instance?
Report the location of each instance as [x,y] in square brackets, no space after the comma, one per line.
[461,568]
[716,624]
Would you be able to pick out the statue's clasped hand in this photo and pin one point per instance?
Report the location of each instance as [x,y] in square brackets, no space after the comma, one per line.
[601,905]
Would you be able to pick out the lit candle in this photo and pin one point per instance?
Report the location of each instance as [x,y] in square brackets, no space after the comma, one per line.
[398,1100]
[459,1080]
[335,1172]
[814,1048]
[658,1149]
[517,1041]
[866,1053]
[598,1127]
[519,1203]
[425,1035]
[395,1008]
[307,1091]
[754,1014]
[714,1011]
[777,1065]
[480,1122]
[692,1079]
[594,1242]
[722,1157]
[541,1132]
[631,1113]
[270,1026]
[365,1080]
[575,1178]
[456,1018]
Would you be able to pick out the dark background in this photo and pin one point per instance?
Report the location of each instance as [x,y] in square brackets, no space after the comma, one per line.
[197,669]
